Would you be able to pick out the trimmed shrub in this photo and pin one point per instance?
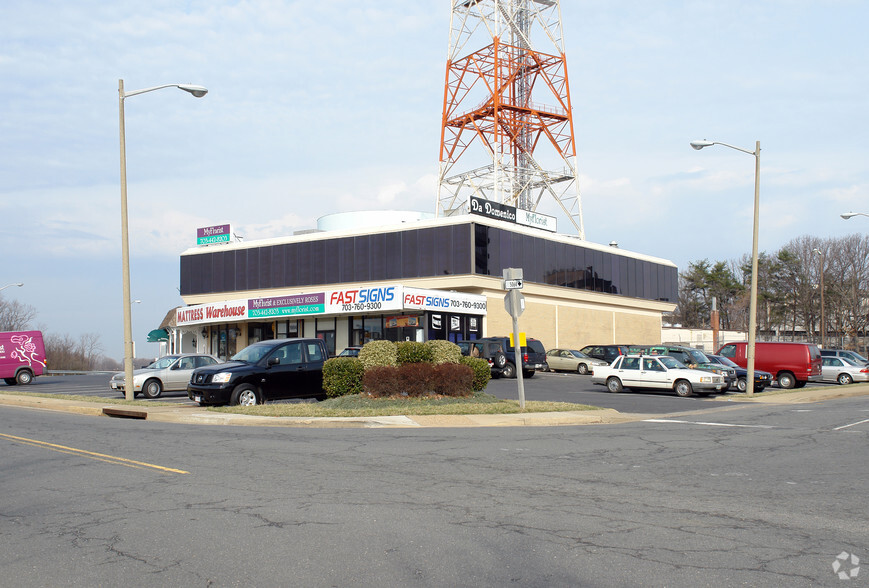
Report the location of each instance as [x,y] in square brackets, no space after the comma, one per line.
[482,372]
[380,381]
[408,352]
[417,379]
[452,379]
[444,351]
[378,354]
[342,376]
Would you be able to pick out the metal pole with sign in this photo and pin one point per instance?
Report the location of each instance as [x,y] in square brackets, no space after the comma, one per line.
[514,302]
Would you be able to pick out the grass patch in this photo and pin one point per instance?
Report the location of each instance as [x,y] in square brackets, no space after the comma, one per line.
[358,406]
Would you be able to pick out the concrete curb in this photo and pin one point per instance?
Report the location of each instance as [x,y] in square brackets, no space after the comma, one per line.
[195,415]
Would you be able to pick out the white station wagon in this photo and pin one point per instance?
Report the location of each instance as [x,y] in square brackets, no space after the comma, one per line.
[656,372]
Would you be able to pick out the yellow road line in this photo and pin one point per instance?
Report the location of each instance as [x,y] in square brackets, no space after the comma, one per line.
[92,455]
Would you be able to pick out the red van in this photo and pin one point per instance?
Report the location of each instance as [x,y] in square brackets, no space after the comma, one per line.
[791,364]
[22,356]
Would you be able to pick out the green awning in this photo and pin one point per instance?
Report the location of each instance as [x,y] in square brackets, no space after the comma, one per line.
[158,335]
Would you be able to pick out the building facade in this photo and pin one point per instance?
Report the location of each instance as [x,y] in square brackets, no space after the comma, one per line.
[428,279]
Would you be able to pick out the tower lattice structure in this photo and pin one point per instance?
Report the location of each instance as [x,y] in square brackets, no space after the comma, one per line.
[507,127]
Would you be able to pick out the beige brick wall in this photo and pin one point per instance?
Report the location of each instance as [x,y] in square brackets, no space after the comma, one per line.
[563,324]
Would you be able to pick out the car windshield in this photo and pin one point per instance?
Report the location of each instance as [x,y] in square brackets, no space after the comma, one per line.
[579,354]
[724,361]
[252,353]
[856,357]
[163,362]
[670,362]
[848,361]
[697,356]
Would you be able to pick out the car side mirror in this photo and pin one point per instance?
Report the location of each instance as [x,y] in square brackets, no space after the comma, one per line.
[274,360]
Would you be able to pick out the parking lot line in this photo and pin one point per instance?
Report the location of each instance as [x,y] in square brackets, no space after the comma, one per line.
[708,424]
[851,425]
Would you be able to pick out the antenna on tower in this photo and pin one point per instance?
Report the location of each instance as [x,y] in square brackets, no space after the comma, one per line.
[498,141]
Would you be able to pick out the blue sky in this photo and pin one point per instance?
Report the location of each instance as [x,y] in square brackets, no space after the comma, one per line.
[321,107]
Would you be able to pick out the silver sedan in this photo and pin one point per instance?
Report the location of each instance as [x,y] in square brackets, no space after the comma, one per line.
[571,360]
[170,372]
[843,371]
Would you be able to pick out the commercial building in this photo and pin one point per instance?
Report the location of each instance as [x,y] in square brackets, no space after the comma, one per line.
[437,278]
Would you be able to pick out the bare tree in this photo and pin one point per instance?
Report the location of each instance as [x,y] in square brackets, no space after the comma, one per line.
[15,316]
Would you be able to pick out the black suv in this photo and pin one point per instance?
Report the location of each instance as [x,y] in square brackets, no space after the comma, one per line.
[486,349]
[268,370]
[607,353]
[533,356]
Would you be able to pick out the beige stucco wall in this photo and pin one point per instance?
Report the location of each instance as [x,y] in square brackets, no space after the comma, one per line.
[560,318]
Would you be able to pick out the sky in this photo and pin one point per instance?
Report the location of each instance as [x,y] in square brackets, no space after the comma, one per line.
[322,107]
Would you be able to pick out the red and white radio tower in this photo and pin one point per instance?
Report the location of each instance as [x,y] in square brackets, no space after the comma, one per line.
[507,113]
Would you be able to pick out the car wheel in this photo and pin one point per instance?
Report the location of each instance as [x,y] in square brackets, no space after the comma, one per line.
[614,385]
[23,377]
[527,373]
[741,385]
[509,370]
[845,379]
[786,380]
[683,388]
[245,395]
[582,369]
[152,389]
[499,360]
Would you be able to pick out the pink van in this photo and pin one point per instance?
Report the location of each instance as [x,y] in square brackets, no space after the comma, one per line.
[22,356]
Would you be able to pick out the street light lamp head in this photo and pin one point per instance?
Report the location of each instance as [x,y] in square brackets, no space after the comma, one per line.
[197,91]
[698,145]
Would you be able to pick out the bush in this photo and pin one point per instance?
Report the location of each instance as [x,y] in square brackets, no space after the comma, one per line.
[342,376]
[444,351]
[408,352]
[452,379]
[417,379]
[378,354]
[384,380]
[482,372]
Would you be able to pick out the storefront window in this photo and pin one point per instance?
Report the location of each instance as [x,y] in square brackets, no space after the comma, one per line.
[325,330]
[373,328]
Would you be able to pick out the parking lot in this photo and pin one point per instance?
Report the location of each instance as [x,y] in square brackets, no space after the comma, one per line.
[546,386]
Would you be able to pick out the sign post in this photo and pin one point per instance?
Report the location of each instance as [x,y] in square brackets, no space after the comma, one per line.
[514,302]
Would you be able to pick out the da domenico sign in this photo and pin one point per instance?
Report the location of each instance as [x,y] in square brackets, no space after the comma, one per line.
[511,214]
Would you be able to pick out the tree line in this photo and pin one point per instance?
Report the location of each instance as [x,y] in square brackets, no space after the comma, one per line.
[791,284]
[63,351]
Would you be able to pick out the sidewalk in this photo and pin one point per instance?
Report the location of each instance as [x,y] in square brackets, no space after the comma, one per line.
[196,415]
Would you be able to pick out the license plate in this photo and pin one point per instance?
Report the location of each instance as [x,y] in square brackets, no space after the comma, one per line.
[197,399]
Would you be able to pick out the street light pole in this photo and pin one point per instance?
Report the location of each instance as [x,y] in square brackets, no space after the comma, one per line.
[847,215]
[198,92]
[823,322]
[752,301]
[19,284]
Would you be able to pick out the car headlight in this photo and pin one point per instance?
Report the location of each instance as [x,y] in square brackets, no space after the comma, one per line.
[706,379]
[221,378]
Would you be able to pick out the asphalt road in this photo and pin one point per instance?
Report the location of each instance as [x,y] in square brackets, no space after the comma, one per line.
[551,386]
[740,495]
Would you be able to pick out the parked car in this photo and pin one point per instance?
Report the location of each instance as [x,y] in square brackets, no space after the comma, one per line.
[791,364]
[852,355]
[350,352]
[490,350]
[532,354]
[605,353]
[22,356]
[843,370]
[650,372]
[695,359]
[267,370]
[762,379]
[571,360]
[170,372]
